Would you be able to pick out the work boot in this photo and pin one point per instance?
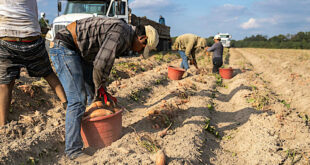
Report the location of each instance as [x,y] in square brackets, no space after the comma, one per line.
[186,74]
[82,158]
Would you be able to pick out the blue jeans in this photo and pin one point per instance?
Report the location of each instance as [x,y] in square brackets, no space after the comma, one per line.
[184,63]
[76,78]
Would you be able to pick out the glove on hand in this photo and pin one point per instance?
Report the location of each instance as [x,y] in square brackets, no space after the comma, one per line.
[106,97]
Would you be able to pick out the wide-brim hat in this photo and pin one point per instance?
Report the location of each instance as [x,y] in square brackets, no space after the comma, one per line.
[152,40]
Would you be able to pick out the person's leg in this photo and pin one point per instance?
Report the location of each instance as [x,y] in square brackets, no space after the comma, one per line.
[55,84]
[36,60]
[5,101]
[69,69]
[215,68]
[9,71]
[89,84]
[184,63]
[217,63]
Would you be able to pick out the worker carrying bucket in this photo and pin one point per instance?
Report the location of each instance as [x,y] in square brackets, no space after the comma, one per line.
[83,54]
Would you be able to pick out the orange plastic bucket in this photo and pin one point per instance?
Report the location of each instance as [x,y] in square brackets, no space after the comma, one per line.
[175,73]
[226,73]
[102,131]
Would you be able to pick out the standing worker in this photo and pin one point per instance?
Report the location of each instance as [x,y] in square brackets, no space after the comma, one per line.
[161,20]
[187,44]
[83,55]
[217,49]
[22,46]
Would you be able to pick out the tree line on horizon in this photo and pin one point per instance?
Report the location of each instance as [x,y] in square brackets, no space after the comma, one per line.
[301,40]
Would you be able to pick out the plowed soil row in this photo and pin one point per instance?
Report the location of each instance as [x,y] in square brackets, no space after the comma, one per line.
[249,119]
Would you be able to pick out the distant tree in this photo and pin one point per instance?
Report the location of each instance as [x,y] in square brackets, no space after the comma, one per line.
[301,40]
[232,43]
[258,37]
[210,41]
[279,38]
[43,25]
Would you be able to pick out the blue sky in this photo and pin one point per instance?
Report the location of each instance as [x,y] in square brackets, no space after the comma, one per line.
[206,18]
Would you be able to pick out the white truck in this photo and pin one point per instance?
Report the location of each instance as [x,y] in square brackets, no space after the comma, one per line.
[225,39]
[79,9]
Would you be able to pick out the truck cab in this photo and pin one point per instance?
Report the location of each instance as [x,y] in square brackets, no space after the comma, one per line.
[225,39]
[72,10]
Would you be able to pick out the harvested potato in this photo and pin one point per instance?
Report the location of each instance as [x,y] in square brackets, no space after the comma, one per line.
[160,158]
[98,112]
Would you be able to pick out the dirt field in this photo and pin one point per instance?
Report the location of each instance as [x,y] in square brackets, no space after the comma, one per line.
[260,116]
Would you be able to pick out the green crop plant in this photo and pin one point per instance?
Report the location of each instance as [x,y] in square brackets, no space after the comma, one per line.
[159,57]
[128,65]
[306,119]
[210,107]
[211,129]
[228,137]
[160,81]
[259,99]
[219,80]
[213,96]
[135,95]
[291,154]
[147,142]
[114,72]
[288,106]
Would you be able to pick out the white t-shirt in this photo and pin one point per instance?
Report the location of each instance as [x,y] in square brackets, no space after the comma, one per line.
[19,18]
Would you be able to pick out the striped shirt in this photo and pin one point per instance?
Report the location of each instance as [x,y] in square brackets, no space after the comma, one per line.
[19,18]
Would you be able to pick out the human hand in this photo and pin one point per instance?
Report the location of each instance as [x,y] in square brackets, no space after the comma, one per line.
[106,97]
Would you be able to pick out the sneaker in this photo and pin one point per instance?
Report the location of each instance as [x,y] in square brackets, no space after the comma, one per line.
[82,158]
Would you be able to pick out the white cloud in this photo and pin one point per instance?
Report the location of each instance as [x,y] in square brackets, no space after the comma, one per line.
[233,7]
[140,4]
[251,24]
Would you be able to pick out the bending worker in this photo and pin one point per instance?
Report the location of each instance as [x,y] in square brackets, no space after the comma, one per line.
[83,55]
[22,46]
[187,44]
[217,49]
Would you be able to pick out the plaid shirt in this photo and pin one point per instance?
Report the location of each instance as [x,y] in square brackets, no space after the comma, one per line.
[100,41]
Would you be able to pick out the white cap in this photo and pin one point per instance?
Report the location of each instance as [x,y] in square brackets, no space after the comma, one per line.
[217,37]
[42,15]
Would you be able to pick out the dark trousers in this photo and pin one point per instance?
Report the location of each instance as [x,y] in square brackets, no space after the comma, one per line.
[217,63]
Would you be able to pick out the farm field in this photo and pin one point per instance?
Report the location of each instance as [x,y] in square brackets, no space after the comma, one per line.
[260,116]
